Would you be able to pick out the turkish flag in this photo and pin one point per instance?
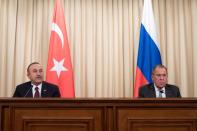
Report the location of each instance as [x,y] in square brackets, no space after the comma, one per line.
[59,67]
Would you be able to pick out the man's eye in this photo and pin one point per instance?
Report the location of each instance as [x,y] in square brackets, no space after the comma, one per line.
[159,75]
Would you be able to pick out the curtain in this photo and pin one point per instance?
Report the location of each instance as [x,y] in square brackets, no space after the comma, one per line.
[103,39]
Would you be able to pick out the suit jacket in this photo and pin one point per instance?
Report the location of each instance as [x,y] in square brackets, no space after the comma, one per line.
[47,90]
[148,91]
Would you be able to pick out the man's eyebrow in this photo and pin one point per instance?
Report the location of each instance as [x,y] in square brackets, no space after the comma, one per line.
[160,74]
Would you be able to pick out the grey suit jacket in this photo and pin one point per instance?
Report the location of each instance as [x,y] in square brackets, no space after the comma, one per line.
[148,91]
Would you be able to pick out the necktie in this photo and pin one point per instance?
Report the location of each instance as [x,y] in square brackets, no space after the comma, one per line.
[37,94]
[160,93]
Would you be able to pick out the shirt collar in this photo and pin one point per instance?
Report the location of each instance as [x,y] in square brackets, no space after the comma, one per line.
[159,89]
[39,86]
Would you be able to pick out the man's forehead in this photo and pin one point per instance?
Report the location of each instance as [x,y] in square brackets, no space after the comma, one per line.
[35,66]
[160,70]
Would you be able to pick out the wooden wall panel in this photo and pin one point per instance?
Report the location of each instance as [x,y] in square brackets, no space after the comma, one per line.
[5,118]
[156,119]
[80,119]
[160,125]
[98,114]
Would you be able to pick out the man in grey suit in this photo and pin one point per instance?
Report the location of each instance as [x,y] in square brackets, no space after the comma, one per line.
[36,87]
[159,88]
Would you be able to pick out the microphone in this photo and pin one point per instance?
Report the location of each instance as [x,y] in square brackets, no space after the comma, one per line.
[28,91]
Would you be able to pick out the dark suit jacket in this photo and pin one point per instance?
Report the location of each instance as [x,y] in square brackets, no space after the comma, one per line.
[148,91]
[47,90]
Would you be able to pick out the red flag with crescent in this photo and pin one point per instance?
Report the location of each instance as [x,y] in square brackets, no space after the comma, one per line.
[59,67]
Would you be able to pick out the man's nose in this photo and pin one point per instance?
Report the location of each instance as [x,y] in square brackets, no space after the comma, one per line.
[38,73]
[162,77]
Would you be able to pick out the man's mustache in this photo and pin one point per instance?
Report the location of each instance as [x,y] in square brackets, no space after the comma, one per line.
[39,76]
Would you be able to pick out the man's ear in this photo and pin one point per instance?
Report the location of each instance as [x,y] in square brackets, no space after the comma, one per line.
[28,75]
[152,76]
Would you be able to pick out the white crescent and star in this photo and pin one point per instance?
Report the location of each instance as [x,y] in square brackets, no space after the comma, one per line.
[58,65]
[56,29]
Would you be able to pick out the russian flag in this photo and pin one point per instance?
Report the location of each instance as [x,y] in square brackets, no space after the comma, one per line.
[148,50]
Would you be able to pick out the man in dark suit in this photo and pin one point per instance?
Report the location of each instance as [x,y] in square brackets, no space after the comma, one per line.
[36,87]
[159,88]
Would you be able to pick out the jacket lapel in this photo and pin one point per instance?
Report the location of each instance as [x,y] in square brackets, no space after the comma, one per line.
[44,90]
[168,92]
[29,91]
[152,91]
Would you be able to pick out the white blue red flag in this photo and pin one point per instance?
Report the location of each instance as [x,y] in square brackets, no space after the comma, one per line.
[148,50]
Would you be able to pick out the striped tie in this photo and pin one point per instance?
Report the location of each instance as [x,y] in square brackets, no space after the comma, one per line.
[37,94]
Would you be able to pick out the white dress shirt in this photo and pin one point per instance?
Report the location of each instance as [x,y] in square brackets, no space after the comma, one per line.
[158,90]
[39,89]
